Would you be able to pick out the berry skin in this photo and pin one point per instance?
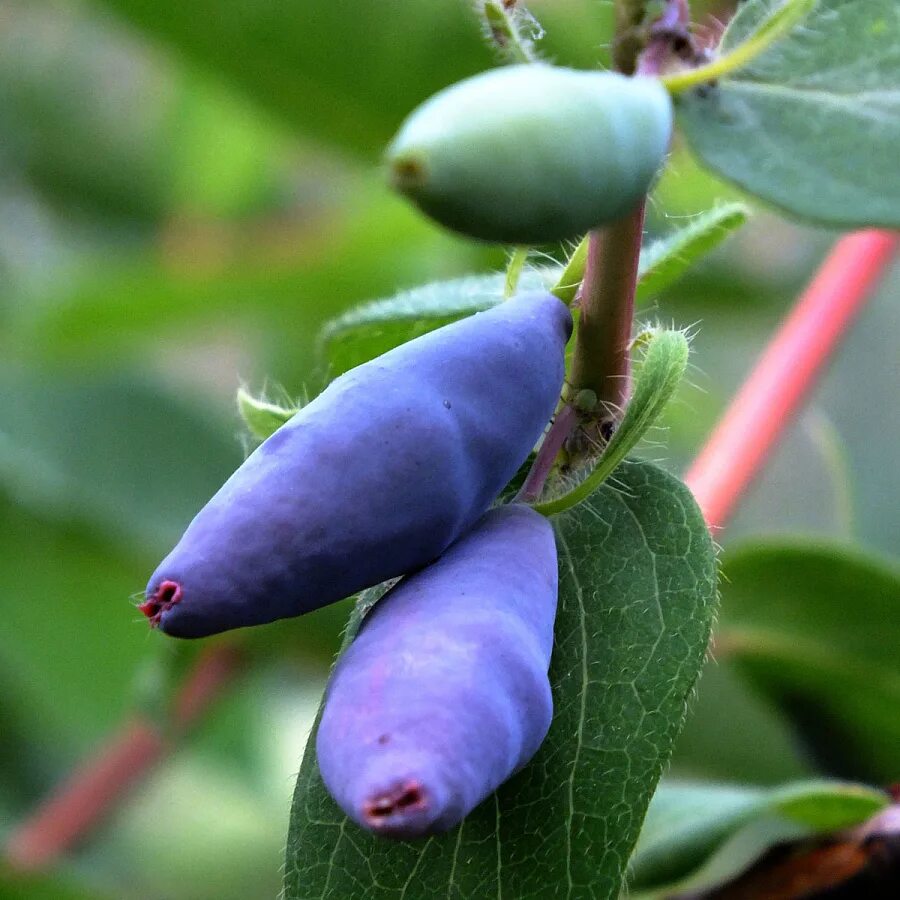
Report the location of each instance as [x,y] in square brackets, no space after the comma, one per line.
[373,479]
[533,154]
[444,692]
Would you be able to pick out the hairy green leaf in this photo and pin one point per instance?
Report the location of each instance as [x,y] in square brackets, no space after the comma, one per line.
[786,626]
[262,417]
[375,327]
[688,822]
[637,593]
[380,325]
[665,260]
[813,124]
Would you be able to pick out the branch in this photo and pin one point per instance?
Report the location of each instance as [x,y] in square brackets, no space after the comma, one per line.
[629,16]
[94,791]
[602,345]
[787,371]
[555,439]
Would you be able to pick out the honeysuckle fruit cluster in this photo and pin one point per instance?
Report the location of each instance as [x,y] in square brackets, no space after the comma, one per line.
[393,470]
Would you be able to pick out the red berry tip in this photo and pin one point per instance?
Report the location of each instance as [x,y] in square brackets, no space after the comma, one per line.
[166,595]
[404,798]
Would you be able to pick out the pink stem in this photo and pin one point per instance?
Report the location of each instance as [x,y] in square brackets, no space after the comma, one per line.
[94,790]
[786,372]
[555,439]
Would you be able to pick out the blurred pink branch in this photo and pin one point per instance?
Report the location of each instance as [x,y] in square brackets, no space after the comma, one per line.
[787,371]
[94,791]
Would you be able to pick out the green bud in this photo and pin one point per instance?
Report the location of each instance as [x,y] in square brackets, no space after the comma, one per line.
[585,400]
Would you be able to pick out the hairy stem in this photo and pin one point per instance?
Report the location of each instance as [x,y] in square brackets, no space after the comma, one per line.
[602,347]
[628,40]
[502,24]
[555,439]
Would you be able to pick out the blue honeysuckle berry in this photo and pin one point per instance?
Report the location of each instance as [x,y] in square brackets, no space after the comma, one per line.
[444,692]
[374,478]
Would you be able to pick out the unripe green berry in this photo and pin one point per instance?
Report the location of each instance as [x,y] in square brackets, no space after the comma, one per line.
[533,154]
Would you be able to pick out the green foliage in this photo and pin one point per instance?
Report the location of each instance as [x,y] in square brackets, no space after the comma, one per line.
[58,118]
[374,328]
[508,30]
[262,417]
[732,729]
[58,578]
[778,20]
[813,124]
[333,73]
[636,601]
[334,70]
[227,277]
[666,259]
[59,440]
[687,823]
[15,886]
[785,609]
[70,86]
[366,331]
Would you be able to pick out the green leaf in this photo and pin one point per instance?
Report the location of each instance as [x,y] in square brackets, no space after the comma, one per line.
[572,274]
[155,142]
[813,124]
[80,142]
[262,417]
[662,367]
[374,328]
[688,822]
[777,22]
[637,593]
[814,627]
[506,29]
[665,260]
[734,733]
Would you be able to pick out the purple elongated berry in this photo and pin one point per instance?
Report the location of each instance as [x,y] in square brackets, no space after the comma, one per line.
[444,692]
[375,478]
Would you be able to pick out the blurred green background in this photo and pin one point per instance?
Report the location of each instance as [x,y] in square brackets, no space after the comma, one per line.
[187,192]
